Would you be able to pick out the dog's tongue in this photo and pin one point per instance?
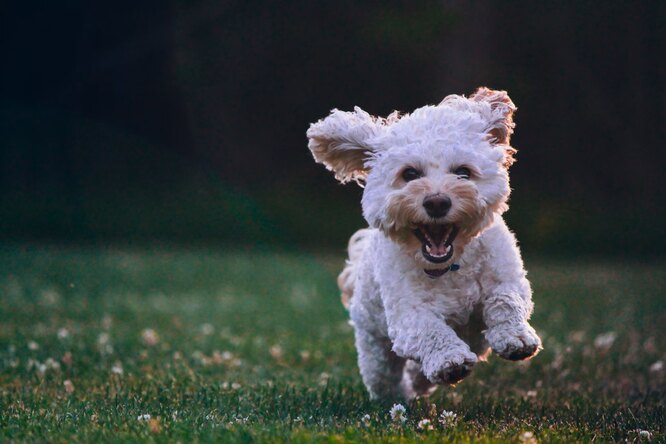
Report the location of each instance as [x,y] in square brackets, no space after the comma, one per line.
[438,249]
[437,238]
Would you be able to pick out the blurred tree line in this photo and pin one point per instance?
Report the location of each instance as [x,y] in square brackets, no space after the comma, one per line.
[185,120]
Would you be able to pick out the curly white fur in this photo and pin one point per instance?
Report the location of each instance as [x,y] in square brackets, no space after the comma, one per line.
[419,322]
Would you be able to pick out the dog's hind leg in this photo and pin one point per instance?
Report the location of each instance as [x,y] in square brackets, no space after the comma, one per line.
[381,369]
[347,278]
[414,382]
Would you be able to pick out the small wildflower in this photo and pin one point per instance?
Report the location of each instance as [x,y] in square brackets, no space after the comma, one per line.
[235,385]
[103,339]
[531,394]
[323,378]
[217,358]
[305,355]
[276,352]
[424,424]
[117,368]
[447,419]
[365,419]
[605,341]
[150,337]
[244,420]
[69,387]
[32,345]
[527,437]
[657,366]
[63,333]
[644,434]
[104,343]
[52,364]
[207,329]
[398,413]
[144,417]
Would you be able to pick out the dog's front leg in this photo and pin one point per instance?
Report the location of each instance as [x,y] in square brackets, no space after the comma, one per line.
[505,313]
[419,334]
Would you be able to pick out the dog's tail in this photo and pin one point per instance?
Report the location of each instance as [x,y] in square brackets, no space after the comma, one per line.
[356,247]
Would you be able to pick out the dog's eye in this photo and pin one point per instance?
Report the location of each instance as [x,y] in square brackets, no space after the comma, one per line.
[410,174]
[462,172]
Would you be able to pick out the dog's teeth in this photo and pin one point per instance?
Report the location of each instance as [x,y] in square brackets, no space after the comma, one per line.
[428,248]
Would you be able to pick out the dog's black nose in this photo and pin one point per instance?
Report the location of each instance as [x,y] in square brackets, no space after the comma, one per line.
[437,205]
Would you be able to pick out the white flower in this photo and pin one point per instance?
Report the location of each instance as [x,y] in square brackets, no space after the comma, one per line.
[424,424]
[645,434]
[104,343]
[447,418]
[276,352]
[365,419]
[244,420]
[398,413]
[527,437]
[605,341]
[144,417]
[52,364]
[150,337]
[69,387]
[32,345]
[207,329]
[63,333]
[103,339]
[657,366]
[117,368]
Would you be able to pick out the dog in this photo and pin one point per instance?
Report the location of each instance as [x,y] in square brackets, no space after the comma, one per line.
[437,280]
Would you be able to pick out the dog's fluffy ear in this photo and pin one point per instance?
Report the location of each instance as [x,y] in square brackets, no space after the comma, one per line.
[500,119]
[342,142]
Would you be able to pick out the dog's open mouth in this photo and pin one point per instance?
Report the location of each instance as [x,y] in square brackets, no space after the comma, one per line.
[436,240]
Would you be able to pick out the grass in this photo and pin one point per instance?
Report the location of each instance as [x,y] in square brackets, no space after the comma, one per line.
[245,346]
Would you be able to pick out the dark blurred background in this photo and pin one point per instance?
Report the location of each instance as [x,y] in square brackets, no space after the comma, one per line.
[184,121]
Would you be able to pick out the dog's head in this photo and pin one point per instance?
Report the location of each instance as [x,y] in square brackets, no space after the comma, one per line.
[434,179]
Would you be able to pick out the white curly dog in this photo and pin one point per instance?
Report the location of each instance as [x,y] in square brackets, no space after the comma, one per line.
[437,280]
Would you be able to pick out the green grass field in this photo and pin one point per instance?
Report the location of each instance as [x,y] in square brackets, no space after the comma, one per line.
[245,346]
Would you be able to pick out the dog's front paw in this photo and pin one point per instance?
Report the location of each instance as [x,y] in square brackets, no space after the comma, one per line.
[514,341]
[450,368]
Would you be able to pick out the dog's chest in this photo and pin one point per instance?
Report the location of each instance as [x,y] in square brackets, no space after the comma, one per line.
[454,295]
